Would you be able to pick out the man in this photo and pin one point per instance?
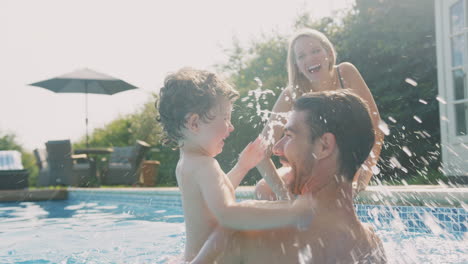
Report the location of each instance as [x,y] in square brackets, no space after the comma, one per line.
[327,138]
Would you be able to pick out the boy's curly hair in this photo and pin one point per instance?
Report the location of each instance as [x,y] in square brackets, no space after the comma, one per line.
[189,91]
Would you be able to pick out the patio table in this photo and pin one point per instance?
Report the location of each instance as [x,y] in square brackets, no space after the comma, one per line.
[94,151]
[93,154]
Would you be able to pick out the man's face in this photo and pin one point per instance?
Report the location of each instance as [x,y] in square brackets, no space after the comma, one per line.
[296,147]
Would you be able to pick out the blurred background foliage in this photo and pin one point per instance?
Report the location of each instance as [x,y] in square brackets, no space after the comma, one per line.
[391,42]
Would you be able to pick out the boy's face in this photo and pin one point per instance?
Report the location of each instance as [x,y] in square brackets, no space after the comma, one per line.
[213,132]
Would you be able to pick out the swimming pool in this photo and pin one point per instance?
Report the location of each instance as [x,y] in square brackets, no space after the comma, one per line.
[147,227]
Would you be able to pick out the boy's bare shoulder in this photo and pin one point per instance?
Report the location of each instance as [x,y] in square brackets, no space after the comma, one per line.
[198,165]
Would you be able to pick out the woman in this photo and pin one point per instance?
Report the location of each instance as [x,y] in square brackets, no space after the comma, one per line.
[312,67]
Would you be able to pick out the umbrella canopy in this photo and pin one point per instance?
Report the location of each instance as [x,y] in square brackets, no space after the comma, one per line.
[85,81]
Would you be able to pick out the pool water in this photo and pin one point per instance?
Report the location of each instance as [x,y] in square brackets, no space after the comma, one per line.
[107,227]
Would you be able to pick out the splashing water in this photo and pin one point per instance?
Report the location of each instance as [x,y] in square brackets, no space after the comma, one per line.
[305,254]
[267,116]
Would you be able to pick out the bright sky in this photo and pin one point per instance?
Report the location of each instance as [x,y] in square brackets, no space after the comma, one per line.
[135,40]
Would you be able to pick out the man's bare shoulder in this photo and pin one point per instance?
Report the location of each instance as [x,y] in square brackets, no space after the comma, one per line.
[262,246]
[373,247]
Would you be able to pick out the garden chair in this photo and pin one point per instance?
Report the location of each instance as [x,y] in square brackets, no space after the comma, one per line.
[64,168]
[12,174]
[41,162]
[124,164]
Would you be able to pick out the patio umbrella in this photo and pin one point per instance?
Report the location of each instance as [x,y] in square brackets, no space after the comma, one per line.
[85,81]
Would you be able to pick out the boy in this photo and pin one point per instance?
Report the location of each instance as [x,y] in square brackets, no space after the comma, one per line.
[195,111]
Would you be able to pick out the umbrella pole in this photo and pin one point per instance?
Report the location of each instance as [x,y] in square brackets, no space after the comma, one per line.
[86,100]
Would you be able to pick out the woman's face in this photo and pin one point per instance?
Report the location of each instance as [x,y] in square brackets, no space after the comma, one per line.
[312,59]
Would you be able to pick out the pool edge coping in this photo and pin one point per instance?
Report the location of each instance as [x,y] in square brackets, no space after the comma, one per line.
[414,195]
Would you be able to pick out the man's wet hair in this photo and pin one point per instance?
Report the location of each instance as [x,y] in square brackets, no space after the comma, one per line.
[189,91]
[345,115]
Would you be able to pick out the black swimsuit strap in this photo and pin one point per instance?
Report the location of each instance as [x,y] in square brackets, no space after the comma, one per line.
[339,77]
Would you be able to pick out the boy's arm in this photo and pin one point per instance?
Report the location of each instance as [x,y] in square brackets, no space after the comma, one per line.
[236,175]
[253,153]
[219,197]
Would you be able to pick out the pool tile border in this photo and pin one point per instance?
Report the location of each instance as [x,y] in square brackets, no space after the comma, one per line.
[33,195]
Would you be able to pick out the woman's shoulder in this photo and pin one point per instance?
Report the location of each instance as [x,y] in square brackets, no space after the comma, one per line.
[347,68]
[351,76]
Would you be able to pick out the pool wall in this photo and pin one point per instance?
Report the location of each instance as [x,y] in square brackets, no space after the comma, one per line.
[415,209]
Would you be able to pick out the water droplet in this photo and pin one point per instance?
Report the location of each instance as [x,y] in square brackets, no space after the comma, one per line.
[411,82]
[431,223]
[422,101]
[384,127]
[392,119]
[444,118]
[259,82]
[441,100]
[394,162]
[426,134]
[375,170]
[305,254]
[417,119]
[407,151]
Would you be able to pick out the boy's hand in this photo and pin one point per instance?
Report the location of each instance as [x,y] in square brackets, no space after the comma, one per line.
[252,154]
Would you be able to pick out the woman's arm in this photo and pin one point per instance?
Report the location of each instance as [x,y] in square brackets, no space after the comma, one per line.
[356,83]
[272,133]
